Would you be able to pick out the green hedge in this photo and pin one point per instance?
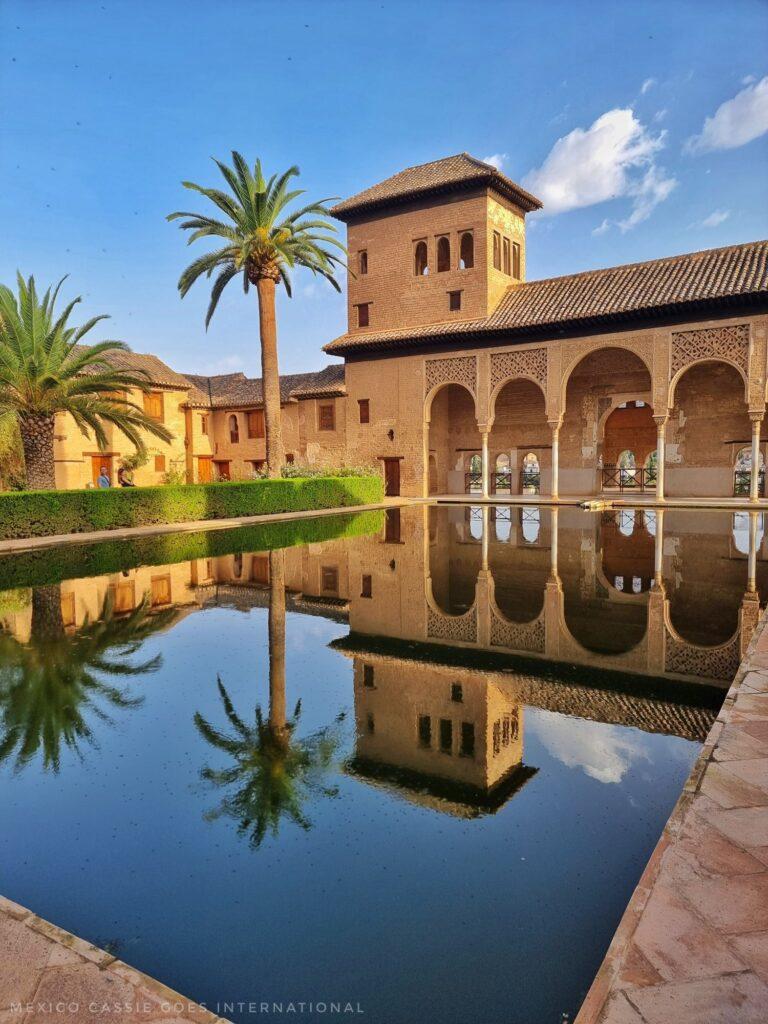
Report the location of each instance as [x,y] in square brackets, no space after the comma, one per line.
[77,561]
[45,513]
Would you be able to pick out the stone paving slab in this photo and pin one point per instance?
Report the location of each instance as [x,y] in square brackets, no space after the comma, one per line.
[49,975]
[692,946]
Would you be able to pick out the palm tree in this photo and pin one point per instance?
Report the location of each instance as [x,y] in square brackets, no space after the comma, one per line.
[50,686]
[272,773]
[44,370]
[263,243]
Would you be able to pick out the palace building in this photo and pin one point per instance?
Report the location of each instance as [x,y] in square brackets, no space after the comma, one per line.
[464,377]
[460,376]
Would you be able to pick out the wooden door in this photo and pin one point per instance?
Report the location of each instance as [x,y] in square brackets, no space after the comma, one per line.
[97,461]
[392,477]
[204,469]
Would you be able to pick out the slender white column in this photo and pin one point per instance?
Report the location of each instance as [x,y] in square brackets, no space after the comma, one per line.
[661,443]
[555,489]
[754,476]
[752,562]
[486,533]
[486,468]
[554,513]
[658,561]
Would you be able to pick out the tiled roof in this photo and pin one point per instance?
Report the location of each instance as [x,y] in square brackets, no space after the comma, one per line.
[154,368]
[235,389]
[437,176]
[710,280]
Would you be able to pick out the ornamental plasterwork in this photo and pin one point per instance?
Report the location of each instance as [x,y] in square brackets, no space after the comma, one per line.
[518,636]
[451,370]
[731,343]
[530,362]
[706,662]
[452,627]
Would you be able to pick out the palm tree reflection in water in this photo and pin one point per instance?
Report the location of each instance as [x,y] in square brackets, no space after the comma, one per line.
[50,686]
[273,773]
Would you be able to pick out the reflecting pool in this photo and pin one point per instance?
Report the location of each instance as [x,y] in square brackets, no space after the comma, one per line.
[411,761]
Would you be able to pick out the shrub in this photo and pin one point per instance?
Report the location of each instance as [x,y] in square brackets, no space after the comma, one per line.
[76,561]
[45,513]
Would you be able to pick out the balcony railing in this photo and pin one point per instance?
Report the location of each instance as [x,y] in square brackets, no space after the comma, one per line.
[643,479]
[473,483]
[530,482]
[742,480]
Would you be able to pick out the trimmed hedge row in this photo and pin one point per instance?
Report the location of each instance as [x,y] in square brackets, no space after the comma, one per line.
[77,561]
[26,514]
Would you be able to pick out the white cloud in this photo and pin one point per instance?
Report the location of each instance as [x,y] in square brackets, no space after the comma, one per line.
[604,752]
[748,80]
[613,158]
[715,218]
[496,160]
[647,84]
[660,115]
[602,227]
[735,122]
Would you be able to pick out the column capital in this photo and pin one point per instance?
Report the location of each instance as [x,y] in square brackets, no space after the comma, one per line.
[756,415]
[661,420]
[555,424]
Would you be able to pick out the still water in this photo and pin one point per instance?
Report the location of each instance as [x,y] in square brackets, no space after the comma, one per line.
[414,762]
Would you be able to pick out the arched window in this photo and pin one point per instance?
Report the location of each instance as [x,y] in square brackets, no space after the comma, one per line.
[443,254]
[503,473]
[466,251]
[627,468]
[503,523]
[741,528]
[531,474]
[475,474]
[237,565]
[742,470]
[476,523]
[530,524]
[420,264]
[626,520]
[234,429]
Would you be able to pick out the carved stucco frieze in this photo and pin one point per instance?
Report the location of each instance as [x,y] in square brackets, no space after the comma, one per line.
[452,627]
[529,362]
[518,636]
[706,662]
[730,343]
[451,370]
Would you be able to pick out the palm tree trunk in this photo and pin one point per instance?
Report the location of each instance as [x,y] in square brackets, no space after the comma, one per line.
[37,441]
[47,617]
[270,377]
[277,698]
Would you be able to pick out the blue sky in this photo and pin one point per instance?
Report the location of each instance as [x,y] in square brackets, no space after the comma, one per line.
[644,127]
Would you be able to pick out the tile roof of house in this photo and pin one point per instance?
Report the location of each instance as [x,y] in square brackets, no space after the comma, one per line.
[155,369]
[229,390]
[712,280]
[435,177]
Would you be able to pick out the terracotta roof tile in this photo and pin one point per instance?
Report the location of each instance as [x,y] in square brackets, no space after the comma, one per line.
[155,369]
[235,389]
[710,279]
[437,176]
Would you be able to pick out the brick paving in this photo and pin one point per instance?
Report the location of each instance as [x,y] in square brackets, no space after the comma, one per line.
[48,975]
[692,946]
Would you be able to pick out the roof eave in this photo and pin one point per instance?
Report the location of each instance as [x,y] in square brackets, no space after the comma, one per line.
[527,202]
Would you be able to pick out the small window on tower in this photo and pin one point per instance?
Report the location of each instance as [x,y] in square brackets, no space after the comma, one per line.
[234,429]
[425,731]
[443,254]
[366,587]
[363,261]
[467,251]
[159,463]
[497,251]
[363,314]
[420,264]
[506,256]
[329,575]
[369,678]
[364,406]
[454,301]
[327,417]
[516,260]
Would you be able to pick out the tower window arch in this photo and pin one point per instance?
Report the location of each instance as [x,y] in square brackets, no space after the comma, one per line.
[420,260]
[466,251]
[234,429]
[443,254]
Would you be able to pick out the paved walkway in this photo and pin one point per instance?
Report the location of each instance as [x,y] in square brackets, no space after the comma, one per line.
[194,526]
[692,946]
[48,975]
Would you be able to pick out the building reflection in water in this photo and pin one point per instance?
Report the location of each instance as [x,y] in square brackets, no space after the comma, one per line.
[460,617]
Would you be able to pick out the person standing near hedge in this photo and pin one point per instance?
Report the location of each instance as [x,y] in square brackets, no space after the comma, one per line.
[103,479]
[262,243]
